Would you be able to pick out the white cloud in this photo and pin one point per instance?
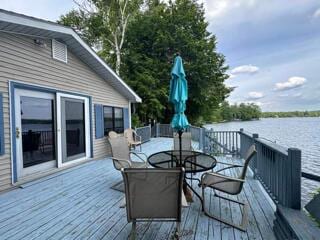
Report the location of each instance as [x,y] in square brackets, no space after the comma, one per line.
[291,83]
[255,95]
[253,102]
[231,76]
[298,94]
[215,9]
[316,14]
[249,69]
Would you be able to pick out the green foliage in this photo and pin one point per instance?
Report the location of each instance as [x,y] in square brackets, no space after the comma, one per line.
[103,24]
[135,121]
[242,112]
[153,39]
[291,114]
[154,34]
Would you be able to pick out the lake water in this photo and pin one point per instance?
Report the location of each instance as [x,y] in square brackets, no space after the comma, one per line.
[302,133]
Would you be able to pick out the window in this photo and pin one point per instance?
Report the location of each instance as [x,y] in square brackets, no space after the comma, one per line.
[113,119]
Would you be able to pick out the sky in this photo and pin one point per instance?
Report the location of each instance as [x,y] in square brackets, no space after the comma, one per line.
[272,47]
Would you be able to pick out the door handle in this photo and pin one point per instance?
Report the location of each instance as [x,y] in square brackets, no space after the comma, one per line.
[17,132]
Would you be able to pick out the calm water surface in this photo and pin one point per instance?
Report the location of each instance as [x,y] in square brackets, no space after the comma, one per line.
[302,133]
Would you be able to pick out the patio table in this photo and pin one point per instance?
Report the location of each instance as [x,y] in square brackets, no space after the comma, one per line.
[192,162]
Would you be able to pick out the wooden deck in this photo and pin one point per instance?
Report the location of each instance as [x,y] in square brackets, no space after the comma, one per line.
[78,204]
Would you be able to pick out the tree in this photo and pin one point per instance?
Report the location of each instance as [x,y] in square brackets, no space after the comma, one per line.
[140,39]
[242,112]
[104,24]
[153,39]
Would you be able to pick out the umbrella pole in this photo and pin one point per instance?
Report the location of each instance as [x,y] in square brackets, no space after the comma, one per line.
[180,146]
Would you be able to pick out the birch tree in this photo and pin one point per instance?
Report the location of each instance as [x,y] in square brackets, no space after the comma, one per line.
[104,23]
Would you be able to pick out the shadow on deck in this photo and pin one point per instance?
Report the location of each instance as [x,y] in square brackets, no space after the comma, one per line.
[78,204]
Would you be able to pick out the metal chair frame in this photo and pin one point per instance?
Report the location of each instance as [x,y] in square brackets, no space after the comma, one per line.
[134,140]
[177,231]
[244,221]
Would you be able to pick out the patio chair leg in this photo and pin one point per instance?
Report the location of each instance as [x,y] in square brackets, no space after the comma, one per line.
[244,220]
[133,231]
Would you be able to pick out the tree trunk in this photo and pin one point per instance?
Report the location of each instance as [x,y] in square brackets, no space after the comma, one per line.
[118,62]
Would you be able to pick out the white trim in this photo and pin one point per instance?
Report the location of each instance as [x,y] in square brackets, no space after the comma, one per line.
[59,152]
[22,171]
[11,137]
[59,132]
[48,88]
[138,99]
[54,27]
[129,113]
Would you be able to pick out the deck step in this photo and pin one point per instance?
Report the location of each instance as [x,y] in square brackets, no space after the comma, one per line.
[294,224]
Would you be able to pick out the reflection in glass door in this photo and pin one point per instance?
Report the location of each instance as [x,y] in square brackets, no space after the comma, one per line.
[35,131]
[73,129]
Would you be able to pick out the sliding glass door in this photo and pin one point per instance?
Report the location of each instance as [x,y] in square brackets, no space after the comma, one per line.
[73,128]
[35,131]
[51,129]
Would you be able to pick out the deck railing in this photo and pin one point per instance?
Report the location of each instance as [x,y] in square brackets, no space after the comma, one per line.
[277,168]
[223,142]
[144,133]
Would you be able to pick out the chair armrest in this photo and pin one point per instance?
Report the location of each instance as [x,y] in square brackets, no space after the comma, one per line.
[224,178]
[230,166]
[140,153]
[224,163]
[222,169]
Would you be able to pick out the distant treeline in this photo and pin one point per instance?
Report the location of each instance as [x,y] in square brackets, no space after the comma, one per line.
[291,114]
[243,112]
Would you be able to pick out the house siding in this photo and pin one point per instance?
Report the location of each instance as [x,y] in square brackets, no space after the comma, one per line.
[23,61]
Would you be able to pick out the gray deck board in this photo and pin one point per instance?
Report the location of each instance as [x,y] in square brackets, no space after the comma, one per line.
[78,203]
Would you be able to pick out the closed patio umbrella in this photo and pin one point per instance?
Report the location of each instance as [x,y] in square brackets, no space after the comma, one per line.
[178,97]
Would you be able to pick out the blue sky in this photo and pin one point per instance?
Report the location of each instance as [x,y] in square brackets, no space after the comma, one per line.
[271,46]
[273,50]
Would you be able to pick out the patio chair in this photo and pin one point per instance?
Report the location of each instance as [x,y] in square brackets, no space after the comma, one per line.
[153,195]
[186,141]
[230,185]
[121,155]
[113,134]
[133,138]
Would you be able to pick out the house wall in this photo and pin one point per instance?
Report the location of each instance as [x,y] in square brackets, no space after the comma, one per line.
[22,60]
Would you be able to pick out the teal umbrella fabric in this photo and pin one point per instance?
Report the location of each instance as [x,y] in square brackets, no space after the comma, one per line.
[178,95]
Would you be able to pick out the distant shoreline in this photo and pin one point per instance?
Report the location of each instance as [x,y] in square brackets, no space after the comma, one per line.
[257,119]
[291,114]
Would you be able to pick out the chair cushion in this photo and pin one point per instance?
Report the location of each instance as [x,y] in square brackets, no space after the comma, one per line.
[221,184]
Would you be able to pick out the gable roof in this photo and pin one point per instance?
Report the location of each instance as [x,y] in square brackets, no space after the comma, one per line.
[21,24]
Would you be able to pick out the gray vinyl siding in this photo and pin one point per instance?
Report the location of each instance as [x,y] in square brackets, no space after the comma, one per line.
[21,60]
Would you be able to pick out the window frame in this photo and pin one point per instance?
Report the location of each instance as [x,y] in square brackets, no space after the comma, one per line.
[113,128]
